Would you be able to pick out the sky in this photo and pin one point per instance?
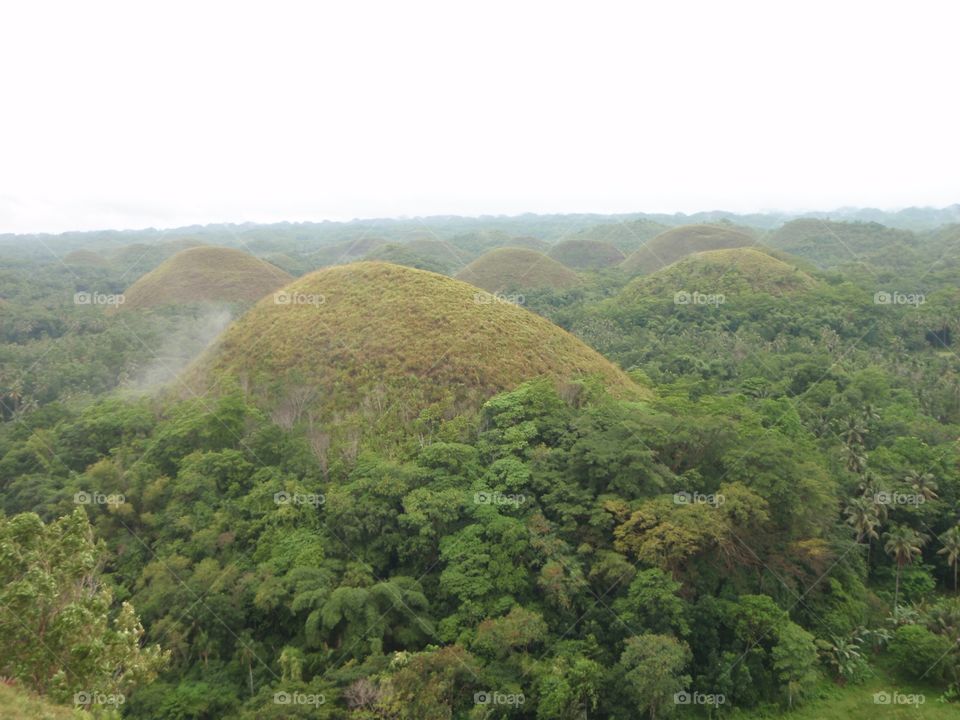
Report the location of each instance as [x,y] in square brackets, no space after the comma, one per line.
[131,114]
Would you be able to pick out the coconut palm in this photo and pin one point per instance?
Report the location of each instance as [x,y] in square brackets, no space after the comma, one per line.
[862,516]
[951,548]
[922,484]
[904,545]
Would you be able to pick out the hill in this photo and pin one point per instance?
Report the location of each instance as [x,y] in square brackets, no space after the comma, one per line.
[729,272]
[586,254]
[373,344]
[407,256]
[627,235]
[829,243]
[517,269]
[205,274]
[676,243]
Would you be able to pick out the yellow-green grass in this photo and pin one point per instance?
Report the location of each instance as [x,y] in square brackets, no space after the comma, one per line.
[510,268]
[18,704]
[205,275]
[586,254]
[373,344]
[677,243]
[856,702]
[730,272]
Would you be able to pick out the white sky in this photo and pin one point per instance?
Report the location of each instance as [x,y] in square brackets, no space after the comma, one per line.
[134,114]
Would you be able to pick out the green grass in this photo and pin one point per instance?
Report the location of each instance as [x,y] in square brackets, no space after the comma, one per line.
[584,254]
[205,274]
[855,702]
[677,243]
[17,704]
[517,269]
[380,342]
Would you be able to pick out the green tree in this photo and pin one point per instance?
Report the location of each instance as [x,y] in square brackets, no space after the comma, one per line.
[653,665]
[904,545]
[58,634]
[951,548]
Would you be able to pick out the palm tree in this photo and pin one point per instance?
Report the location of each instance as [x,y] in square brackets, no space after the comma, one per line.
[904,545]
[922,484]
[862,516]
[951,548]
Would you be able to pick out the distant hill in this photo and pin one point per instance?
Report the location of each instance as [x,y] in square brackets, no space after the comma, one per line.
[374,344]
[408,256]
[676,243]
[517,269]
[627,235]
[585,254]
[730,272]
[205,274]
[828,243]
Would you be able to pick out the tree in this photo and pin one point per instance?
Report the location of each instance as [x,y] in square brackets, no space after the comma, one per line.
[794,660]
[904,545]
[652,666]
[951,548]
[56,631]
[922,484]
[862,516]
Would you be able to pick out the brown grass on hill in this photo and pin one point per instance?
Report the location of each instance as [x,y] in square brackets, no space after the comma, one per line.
[205,274]
[676,243]
[511,268]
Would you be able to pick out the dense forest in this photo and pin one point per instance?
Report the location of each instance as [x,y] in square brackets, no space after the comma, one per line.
[638,466]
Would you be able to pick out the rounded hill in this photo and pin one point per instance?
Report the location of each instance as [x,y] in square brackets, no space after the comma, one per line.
[517,269]
[205,274]
[364,348]
[676,243]
[586,254]
[729,272]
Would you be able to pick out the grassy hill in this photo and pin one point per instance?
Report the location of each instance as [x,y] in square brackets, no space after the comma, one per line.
[586,254]
[676,243]
[829,243]
[730,272]
[517,269]
[403,255]
[627,235]
[373,344]
[205,274]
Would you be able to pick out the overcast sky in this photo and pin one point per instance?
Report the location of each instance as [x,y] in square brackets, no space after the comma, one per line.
[131,114]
